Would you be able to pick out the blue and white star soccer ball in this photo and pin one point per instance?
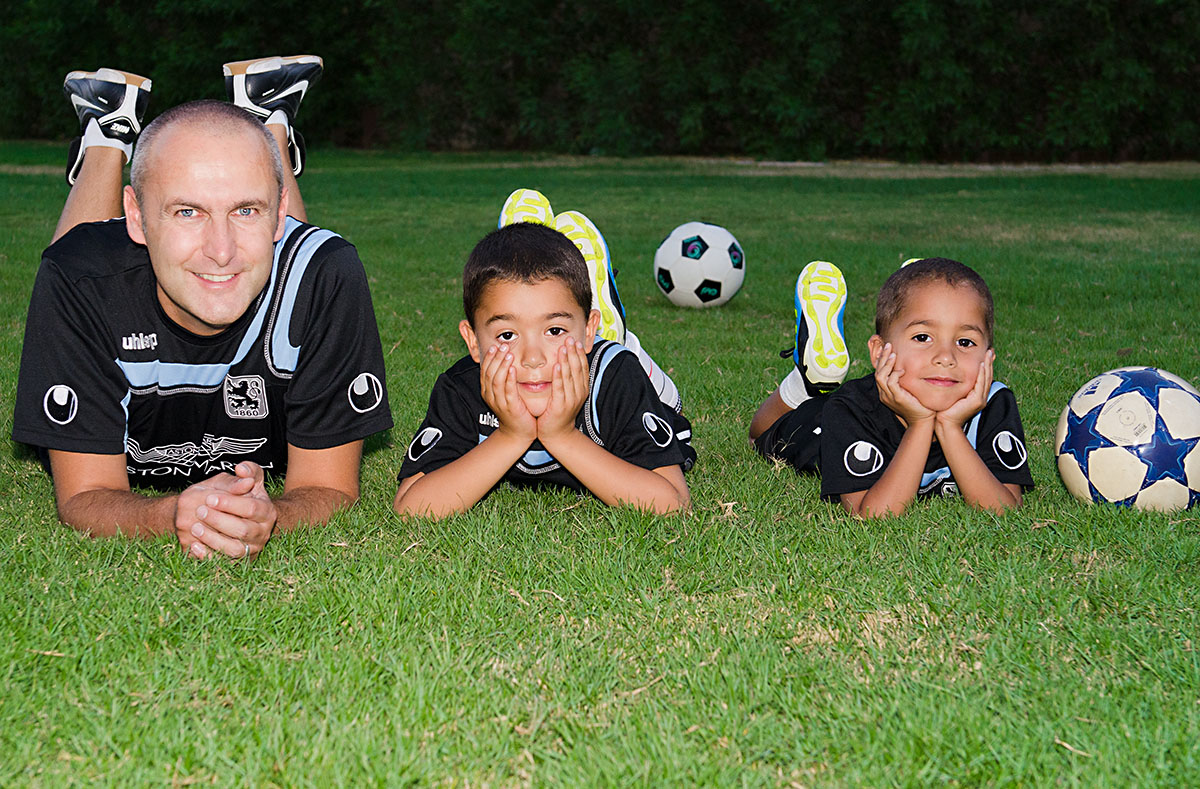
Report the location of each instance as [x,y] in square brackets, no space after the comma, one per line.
[1132,437]
[699,265]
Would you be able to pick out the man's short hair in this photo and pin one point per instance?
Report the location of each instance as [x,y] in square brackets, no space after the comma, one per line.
[895,290]
[218,116]
[525,252]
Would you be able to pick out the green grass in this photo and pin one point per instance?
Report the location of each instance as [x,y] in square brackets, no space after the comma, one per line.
[764,639]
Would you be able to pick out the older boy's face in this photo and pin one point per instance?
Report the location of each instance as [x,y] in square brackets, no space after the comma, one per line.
[939,342]
[533,319]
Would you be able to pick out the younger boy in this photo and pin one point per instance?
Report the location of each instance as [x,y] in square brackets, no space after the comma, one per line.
[540,398]
[929,420]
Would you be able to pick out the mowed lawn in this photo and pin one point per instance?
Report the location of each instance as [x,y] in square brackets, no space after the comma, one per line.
[766,638]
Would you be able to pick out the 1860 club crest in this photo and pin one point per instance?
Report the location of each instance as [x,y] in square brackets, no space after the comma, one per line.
[245,397]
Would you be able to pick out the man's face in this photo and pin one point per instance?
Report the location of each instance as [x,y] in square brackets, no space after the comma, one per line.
[939,342]
[533,319]
[209,216]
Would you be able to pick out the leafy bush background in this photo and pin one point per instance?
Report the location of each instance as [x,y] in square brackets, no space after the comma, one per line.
[972,79]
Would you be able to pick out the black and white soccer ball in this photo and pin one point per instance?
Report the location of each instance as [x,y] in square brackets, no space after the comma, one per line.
[699,265]
[1132,437]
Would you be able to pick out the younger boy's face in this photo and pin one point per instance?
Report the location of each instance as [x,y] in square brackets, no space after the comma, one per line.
[939,342]
[533,319]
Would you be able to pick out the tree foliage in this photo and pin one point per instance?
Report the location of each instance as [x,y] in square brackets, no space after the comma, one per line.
[915,79]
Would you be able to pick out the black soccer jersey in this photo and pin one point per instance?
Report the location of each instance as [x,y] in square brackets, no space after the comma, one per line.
[104,370]
[621,414]
[860,436]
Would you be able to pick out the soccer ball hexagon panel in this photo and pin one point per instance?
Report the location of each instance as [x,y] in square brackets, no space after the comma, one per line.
[1131,437]
[699,265]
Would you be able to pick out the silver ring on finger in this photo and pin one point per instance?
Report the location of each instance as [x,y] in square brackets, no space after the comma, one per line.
[245,548]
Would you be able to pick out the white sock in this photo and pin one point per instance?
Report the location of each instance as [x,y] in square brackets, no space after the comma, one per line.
[92,136]
[792,390]
[280,117]
[662,383]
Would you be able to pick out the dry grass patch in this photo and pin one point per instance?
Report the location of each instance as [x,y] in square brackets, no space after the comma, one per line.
[904,641]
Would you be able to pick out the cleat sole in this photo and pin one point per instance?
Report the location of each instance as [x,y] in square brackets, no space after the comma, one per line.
[584,235]
[263,65]
[526,205]
[821,303]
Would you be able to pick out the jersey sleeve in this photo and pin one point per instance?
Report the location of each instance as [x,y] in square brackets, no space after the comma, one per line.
[338,392]
[852,452]
[626,414]
[70,393]
[446,434]
[1000,440]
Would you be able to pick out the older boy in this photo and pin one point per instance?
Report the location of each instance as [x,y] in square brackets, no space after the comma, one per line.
[929,421]
[530,205]
[540,398]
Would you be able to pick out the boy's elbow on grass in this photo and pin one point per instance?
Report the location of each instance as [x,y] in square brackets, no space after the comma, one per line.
[402,507]
[857,505]
[1015,495]
[680,496]
[1012,501]
[410,507]
[408,503]
[885,512]
[1018,496]
[679,503]
[661,491]
[866,513]
[658,505]
[398,503]
[429,498]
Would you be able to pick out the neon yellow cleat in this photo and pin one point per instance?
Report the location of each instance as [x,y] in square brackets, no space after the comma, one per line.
[586,236]
[820,352]
[526,205]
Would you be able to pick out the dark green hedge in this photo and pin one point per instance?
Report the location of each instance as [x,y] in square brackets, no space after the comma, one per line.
[918,79]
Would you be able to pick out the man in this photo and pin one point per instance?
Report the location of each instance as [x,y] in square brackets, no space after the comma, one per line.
[207,337]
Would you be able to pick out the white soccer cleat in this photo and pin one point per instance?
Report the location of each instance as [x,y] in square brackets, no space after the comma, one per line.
[271,89]
[115,100]
[820,351]
[526,205]
[585,235]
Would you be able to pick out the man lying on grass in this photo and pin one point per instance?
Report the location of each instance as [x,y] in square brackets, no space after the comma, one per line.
[207,338]
[929,421]
[541,399]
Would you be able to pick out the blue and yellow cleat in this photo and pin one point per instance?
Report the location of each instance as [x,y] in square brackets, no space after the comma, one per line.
[820,351]
[586,236]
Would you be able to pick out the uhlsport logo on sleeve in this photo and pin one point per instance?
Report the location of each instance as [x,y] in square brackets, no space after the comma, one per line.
[245,397]
[365,393]
[423,442]
[1009,450]
[660,432]
[60,404]
[862,458]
